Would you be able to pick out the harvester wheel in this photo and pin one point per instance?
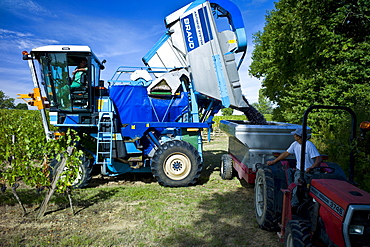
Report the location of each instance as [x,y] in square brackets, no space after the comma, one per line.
[176,164]
[84,172]
[297,234]
[226,167]
[264,200]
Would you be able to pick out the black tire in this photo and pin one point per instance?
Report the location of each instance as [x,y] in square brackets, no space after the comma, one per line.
[264,200]
[297,234]
[176,164]
[226,167]
[84,172]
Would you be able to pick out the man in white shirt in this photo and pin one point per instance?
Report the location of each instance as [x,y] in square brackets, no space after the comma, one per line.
[312,157]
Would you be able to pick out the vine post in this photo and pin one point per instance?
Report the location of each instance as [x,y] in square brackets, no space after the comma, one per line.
[15,185]
[61,166]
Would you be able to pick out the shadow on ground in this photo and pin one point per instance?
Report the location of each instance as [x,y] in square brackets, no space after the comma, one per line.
[211,163]
[227,219]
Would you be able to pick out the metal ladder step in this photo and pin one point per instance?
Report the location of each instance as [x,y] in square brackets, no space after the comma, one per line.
[105,137]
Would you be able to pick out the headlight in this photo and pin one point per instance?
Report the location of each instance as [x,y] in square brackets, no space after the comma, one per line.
[356,230]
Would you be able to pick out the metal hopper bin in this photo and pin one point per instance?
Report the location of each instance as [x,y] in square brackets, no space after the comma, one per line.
[250,145]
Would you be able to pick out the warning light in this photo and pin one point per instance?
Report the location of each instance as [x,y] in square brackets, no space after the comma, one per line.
[26,55]
[365,125]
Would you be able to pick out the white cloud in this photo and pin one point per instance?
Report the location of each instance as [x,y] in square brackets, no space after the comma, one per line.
[12,40]
[27,9]
[4,32]
[33,43]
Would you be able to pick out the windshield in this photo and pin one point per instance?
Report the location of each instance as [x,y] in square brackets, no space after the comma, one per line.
[57,80]
[69,79]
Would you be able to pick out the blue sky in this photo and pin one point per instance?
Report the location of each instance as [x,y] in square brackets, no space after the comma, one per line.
[121,32]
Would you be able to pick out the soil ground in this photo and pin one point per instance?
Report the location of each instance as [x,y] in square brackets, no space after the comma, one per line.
[133,210]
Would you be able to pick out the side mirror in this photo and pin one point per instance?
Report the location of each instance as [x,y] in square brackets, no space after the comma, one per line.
[102,64]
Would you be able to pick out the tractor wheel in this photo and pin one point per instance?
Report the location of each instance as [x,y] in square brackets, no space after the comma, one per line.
[176,164]
[297,234]
[84,172]
[226,167]
[264,200]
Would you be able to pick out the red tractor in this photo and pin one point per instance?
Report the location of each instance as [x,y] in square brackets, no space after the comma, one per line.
[332,211]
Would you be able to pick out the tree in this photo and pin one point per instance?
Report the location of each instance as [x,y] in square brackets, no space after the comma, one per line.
[264,105]
[314,52]
[21,106]
[5,101]
[317,52]
[227,111]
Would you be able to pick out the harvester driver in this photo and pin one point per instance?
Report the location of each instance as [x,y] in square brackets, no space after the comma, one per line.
[78,73]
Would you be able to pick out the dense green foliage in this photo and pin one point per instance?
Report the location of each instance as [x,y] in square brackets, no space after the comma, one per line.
[227,111]
[21,106]
[317,52]
[314,52]
[25,153]
[22,138]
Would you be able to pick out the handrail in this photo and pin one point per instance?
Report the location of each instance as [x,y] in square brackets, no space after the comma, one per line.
[304,136]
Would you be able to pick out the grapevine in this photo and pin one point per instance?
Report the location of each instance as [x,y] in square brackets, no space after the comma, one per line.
[25,154]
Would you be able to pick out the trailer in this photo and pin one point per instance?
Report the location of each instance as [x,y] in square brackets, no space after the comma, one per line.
[249,146]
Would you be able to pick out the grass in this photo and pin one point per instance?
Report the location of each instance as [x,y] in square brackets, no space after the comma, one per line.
[129,211]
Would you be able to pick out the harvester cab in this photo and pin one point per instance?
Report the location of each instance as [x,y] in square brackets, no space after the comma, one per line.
[70,76]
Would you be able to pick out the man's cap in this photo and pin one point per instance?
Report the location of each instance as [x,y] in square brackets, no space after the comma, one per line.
[298,132]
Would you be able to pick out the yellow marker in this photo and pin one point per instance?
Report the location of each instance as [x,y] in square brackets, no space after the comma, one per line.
[35,99]
[100,104]
[57,134]
[192,129]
